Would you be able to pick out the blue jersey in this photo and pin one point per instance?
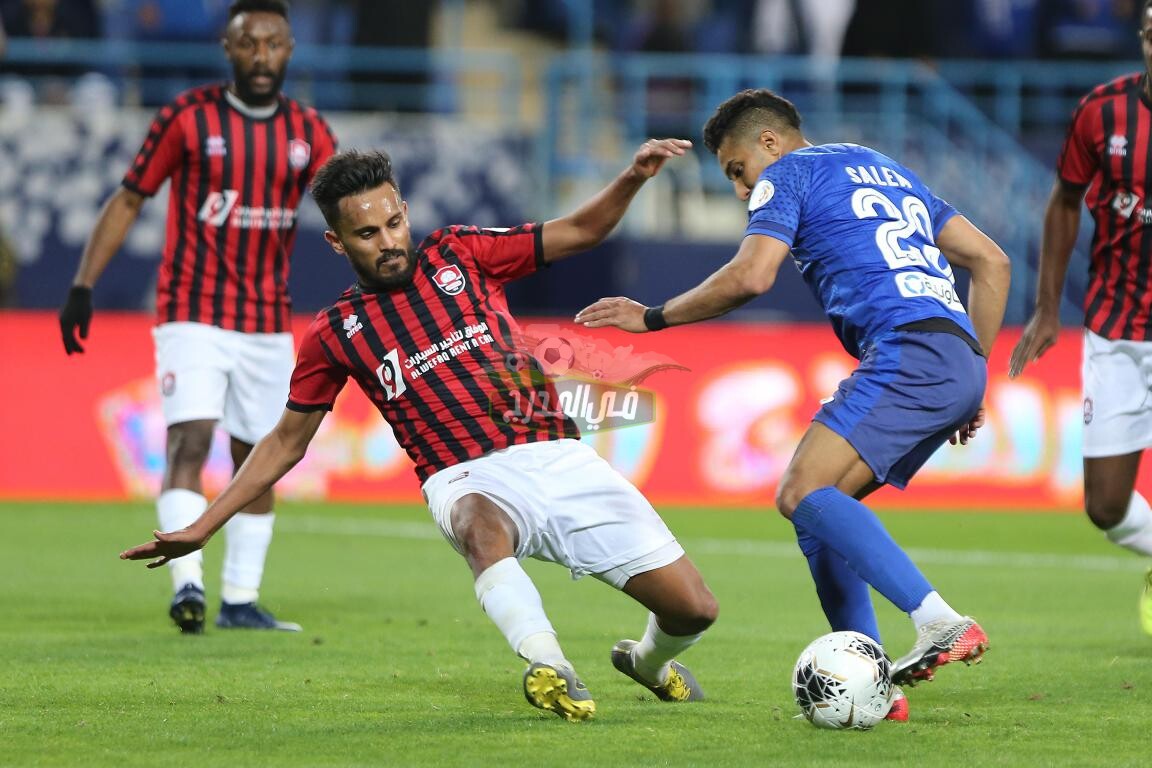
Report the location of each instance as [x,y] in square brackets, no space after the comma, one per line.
[862,229]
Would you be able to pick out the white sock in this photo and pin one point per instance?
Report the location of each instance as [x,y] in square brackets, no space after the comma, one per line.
[247,537]
[1134,532]
[510,599]
[177,508]
[651,656]
[933,608]
[542,646]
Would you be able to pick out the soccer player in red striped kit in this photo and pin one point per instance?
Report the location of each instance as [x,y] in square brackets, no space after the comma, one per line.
[427,335]
[240,157]
[1106,162]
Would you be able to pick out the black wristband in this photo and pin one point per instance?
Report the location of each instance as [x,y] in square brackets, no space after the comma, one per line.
[654,318]
[80,293]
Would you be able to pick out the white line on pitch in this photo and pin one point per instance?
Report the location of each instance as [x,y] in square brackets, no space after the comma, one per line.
[391,529]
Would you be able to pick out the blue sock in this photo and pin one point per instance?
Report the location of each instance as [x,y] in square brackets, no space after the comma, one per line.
[844,596]
[853,531]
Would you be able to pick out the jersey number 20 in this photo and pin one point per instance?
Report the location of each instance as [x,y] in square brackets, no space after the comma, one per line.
[908,221]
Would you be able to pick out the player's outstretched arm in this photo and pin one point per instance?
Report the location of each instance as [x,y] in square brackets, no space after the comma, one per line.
[588,225]
[751,272]
[116,218]
[1061,228]
[278,452]
[967,247]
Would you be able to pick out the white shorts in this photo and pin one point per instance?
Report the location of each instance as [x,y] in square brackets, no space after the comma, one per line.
[569,507]
[238,379]
[1117,378]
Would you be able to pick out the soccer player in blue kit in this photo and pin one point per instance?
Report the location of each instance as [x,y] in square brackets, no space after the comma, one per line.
[877,249]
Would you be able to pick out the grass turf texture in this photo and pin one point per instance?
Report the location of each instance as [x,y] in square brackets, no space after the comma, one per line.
[398,666]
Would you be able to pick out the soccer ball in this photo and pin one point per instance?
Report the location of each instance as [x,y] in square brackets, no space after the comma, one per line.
[555,355]
[843,680]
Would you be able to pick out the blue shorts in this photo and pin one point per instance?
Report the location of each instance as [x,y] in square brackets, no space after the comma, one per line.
[911,392]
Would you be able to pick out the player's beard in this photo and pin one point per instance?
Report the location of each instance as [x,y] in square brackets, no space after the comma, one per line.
[248,92]
[371,278]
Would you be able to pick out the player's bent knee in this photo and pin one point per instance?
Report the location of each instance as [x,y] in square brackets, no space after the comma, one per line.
[1105,515]
[696,613]
[788,497]
[483,530]
[707,611]
[685,625]
[1105,506]
[188,445]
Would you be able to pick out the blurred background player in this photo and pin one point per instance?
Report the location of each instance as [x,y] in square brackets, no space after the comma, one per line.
[1106,155]
[240,158]
[870,240]
[500,488]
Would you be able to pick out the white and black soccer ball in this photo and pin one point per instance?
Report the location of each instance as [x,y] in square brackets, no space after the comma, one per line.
[555,355]
[843,680]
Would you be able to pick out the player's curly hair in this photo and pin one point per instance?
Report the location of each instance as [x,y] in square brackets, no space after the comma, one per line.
[279,7]
[754,108]
[349,173]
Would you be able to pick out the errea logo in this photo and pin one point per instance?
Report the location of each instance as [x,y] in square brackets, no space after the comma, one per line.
[352,326]
[1118,145]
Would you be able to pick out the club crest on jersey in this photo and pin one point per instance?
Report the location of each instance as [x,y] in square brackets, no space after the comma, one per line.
[761,193]
[449,279]
[1118,145]
[214,146]
[352,326]
[299,152]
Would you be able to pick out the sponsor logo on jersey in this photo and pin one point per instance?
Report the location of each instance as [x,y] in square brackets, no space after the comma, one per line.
[1124,203]
[1117,145]
[352,326]
[220,208]
[1088,410]
[449,279]
[761,194]
[217,206]
[168,384]
[915,285]
[390,376]
[299,152]
[214,146]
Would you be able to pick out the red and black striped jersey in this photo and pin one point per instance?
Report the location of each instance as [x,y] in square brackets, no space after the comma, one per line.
[438,358]
[236,183]
[1108,150]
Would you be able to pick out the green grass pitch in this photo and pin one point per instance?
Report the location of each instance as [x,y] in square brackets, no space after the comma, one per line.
[398,666]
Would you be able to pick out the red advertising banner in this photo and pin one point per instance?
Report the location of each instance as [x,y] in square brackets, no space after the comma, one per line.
[705,415]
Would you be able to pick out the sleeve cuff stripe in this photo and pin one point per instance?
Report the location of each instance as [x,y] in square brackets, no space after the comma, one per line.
[538,233]
[292,405]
